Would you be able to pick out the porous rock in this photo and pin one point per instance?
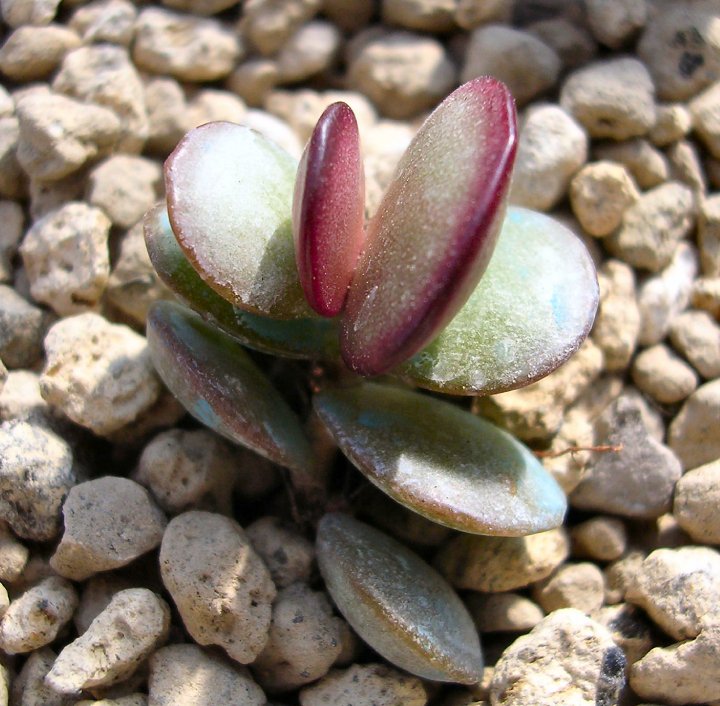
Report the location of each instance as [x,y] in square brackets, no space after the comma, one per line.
[124,187]
[566,658]
[13,179]
[579,586]
[37,471]
[696,335]
[573,44]
[185,47]
[496,564]
[653,226]
[111,21]
[167,114]
[66,257]
[402,73]
[220,586]
[423,15]
[674,122]
[693,432]
[12,219]
[647,164]
[99,374]
[705,110]
[58,135]
[552,147]
[28,12]
[22,327]
[503,612]
[30,689]
[305,640]
[602,538]
[109,522]
[253,79]
[614,22]
[288,555]
[13,555]
[33,53]
[186,675]
[311,50]
[663,375]
[103,74]
[705,295]
[613,98]
[599,193]
[34,619]
[363,685]
[679,589]
[268,25]
[518,58]
[685,166]
[97,592]
[709,235]
[697,498]
[638,479]
[684,673]
[115,644]
[621,574]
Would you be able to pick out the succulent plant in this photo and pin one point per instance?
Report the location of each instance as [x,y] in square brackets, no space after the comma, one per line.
[446,289]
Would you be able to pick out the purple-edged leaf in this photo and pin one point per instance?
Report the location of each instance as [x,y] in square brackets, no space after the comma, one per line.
[229,193]
[529,313]
[441,461]
[435,229]
[314,339]
[217,382]
[398,604]
[328,210]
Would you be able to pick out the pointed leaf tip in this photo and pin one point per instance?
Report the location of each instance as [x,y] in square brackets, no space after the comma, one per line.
[328,210]
[435,230]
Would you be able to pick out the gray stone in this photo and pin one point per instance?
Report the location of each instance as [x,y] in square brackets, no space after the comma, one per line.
[567,658]
[22,327]
[574,45]
[636,481]
[12,219]
[629,628]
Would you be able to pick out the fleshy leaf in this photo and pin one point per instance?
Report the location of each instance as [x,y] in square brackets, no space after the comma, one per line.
[328,210]
[397,603]
[229,193]
[218,383]
[435,229]
[444,463]
[314,338]
[530,312]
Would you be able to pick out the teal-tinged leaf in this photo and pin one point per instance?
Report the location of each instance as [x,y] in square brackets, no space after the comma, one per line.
[218,383]
[529,313]
[397,603]
[313,338]
[435,229]
[442,462]
[229,193]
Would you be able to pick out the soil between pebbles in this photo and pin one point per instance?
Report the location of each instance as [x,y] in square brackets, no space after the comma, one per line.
[111,498]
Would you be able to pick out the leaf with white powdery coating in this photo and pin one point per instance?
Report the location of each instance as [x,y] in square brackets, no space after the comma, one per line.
[397,603]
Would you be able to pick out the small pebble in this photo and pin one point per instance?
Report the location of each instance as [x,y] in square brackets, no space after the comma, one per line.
[311,50]
[679,589]
[33,53]
[696,336]
[692,434]
[523,62]
[66,257]
[497,564]
[565,659]
[253,79]
[167,114]
[674,122]
[267,26]
[663,375]
[579,586]
[614,22]
[185,675]
[705,295]
[647,164]
[653,226]
[22,327]
[630,629]
[35,618]
[621,574]
[551,149]
[426,16]
[30,689]
[28,12]
[99,374]
[681,48]
[685,673]
[115,644]
[599,194]
[209,105]
[12,219]
[124,187]
[574,45]
[13,556]
[685,165]
[706,117]
[288,555]
[503,612]
[402,73]
[709,235]
[617,324]
[601,538]
[697,498]
[365,685]
[97,592]
[109,522]
[36,473]
[609,486]
[221,587]
[184,47]
[111,21]
[613,98]
[13,179]
[305,640]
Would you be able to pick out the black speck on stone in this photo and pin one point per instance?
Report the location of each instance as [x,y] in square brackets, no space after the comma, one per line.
[689,63]
[612,677]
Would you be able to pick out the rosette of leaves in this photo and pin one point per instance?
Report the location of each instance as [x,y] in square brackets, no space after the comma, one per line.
[445,289]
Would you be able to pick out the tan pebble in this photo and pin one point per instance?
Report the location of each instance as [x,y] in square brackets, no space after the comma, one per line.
[253,79]
[310,51]
[97,592]
[34,619]
[33,53]
[685,165]
[220,586]
[706,120]
[424,16]
[209,105]
[697,498]
[603,538]
[365,684]
[470,13]
[48,196]
[706,295]
[709,235]
[28,12]
[673,123]
[664,376]
[167,114]
[13,555]
[579,586]
[620,574]
[109,522]
[692,434]
[13,180]
[573,44]
[646,163]
[268,25]
[503,612]
[117,641]
[110,21]
[29,688]
[696,336]
[614,22]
